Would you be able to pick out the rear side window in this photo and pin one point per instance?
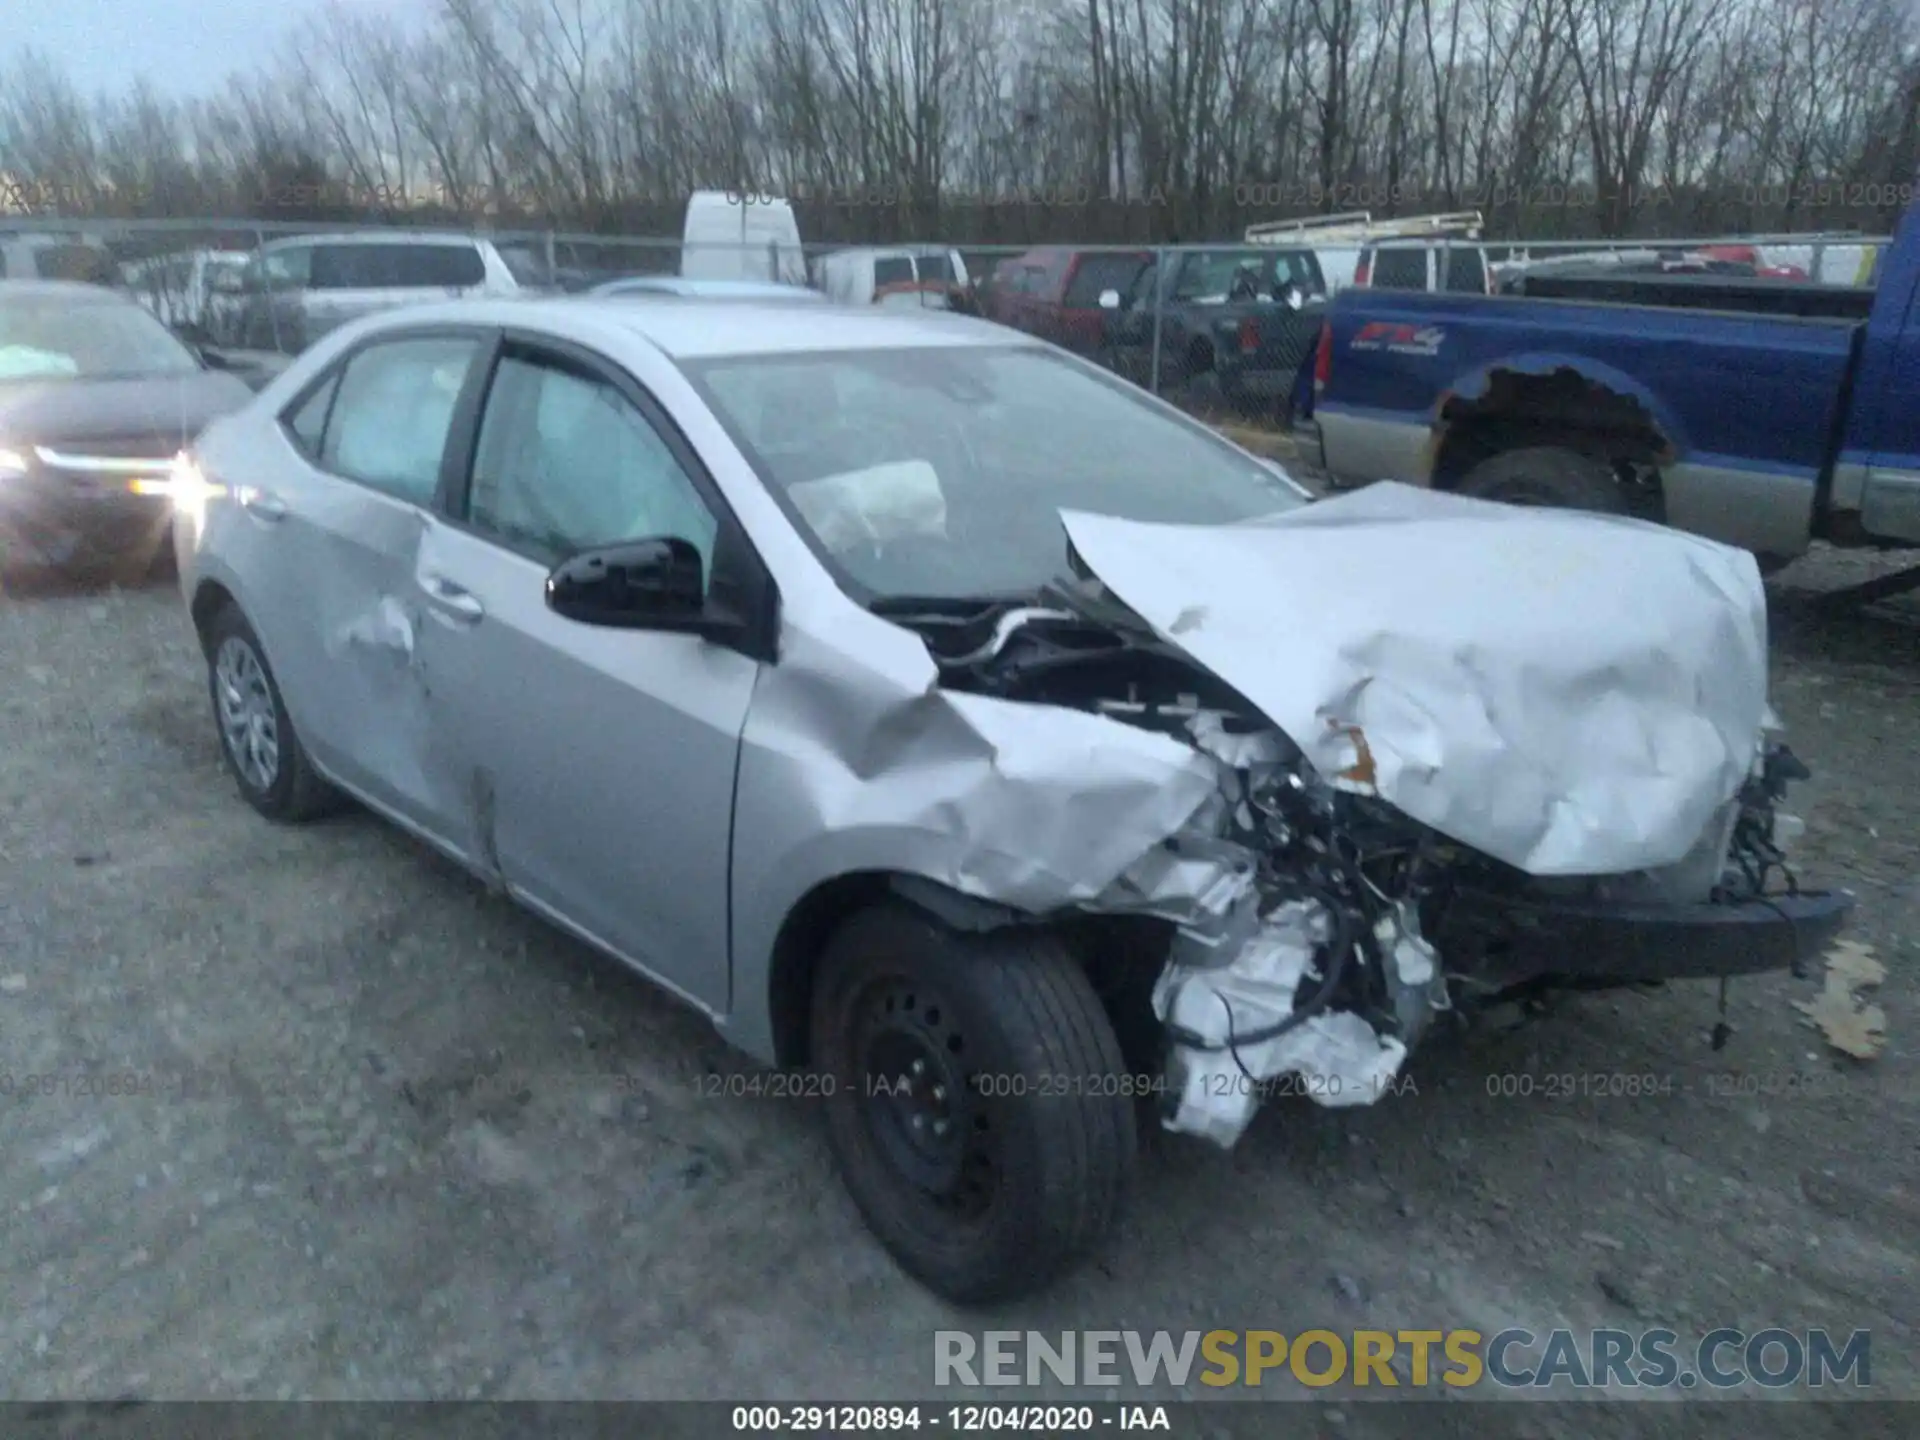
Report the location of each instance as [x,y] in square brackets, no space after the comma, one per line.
[391,416]
[1466,270]
[390,267]
[1401,268]
[1100,272]
[893,270]
[937,267]
[308,423]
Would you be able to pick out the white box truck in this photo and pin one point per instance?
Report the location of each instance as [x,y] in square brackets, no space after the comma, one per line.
[734,236]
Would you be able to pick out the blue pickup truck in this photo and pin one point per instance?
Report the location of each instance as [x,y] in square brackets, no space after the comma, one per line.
[1764,413]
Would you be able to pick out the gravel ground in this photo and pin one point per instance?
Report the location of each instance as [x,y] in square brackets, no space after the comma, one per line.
[350,1207]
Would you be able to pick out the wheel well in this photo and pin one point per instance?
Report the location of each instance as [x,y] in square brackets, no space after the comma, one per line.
[1122,955]
[208,601]
[804,934]
[1561,408]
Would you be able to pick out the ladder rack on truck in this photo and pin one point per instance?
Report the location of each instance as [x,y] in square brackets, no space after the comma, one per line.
[1358,227]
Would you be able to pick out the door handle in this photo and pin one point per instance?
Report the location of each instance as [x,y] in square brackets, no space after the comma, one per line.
[261,505]
[454,600]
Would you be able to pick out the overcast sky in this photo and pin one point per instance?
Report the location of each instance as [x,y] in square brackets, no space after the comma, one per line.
[184,47]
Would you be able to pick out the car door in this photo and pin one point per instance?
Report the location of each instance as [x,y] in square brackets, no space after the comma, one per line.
[329,560]
[599,762]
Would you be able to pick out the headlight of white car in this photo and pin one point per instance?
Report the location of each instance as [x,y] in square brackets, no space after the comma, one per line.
[12,462]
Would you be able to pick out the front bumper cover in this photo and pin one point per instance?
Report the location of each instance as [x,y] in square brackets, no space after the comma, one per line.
[50,522]
[1513,940]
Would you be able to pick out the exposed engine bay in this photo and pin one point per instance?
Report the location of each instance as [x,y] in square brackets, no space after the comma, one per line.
[1317,930]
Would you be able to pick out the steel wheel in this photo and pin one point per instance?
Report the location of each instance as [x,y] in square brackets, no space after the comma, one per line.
[955,1110]
[921,1109]
[248,723]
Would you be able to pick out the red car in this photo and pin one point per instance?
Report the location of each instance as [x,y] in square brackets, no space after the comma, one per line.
[1054,292]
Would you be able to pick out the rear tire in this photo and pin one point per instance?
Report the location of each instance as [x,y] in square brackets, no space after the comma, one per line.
[1004,1160]
[1548,475]
[257,739]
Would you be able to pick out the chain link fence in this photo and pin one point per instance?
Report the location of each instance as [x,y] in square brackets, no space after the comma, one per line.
[1226,329]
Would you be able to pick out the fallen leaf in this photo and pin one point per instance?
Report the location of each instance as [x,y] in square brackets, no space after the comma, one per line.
[1855,963]
[1849,1023]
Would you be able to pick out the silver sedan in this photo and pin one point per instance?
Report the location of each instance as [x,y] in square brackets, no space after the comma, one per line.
[996,750]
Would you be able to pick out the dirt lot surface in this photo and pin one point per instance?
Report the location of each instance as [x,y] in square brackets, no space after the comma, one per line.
[348,1206]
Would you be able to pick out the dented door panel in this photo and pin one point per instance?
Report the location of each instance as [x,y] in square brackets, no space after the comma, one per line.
[595,766]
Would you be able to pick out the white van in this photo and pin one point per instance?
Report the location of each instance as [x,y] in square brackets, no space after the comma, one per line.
[730,236]
[1348,247]
[897,277]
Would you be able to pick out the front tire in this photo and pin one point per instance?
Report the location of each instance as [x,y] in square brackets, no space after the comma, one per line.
[1548,475]
[968,1112]
[257,739]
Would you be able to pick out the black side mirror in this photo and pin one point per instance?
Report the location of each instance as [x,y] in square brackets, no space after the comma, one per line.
[652,584]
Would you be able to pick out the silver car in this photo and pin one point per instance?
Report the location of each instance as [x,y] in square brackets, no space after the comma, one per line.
[678,285]
[1003,754]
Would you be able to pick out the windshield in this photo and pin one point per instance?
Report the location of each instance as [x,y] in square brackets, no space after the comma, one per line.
[942,472]
[1262,274]
[45,337]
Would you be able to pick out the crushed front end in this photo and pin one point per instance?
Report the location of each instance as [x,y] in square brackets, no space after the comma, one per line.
[1314,930]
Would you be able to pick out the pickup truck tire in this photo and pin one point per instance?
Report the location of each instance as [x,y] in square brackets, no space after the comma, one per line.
[1549,475]
[932,1046]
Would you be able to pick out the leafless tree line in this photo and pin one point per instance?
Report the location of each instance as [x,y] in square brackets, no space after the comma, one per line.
[986,120]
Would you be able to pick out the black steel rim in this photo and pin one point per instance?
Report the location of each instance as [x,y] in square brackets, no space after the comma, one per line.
[919,1101]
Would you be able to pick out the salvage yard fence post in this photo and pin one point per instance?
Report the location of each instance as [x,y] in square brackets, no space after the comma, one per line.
[1159,274]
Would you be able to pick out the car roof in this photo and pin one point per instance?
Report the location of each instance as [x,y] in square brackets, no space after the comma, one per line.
[681,286]
[375,237]
[694,327]
[78,291]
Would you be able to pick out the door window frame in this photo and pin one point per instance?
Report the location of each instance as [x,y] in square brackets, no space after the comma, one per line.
[485,340]
[739,577]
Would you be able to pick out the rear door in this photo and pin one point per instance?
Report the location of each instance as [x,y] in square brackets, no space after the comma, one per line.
[328,553]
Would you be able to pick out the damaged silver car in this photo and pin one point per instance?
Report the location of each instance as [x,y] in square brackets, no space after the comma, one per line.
[949,718]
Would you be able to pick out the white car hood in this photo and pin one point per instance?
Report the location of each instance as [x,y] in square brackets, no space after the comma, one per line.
[1572,694]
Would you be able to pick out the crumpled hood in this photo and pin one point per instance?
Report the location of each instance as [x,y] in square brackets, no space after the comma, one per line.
[1572,694]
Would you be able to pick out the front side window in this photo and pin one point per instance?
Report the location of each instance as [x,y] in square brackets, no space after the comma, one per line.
[942,471]
[1262,274]
[396,267]
[566,463]
[390,419]
[308,422]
